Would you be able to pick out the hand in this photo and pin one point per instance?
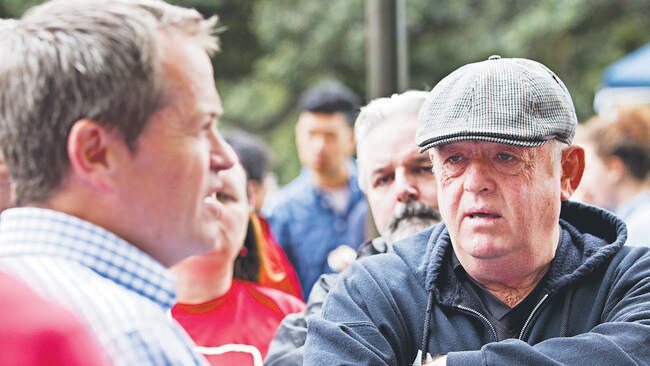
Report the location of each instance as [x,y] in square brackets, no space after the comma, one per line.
[341,257]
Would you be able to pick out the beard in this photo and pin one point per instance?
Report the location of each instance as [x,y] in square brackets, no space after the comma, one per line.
[409,218]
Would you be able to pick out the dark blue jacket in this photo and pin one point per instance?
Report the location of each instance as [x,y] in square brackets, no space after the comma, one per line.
[595,309]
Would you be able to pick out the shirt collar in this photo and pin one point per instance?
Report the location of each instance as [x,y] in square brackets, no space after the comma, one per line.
[43,232]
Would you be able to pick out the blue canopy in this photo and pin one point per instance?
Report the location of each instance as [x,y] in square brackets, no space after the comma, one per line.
[632,70]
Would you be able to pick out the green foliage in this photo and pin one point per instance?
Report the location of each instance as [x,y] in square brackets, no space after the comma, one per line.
[274,49]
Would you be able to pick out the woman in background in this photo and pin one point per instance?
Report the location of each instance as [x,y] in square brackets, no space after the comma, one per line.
[276,270]
[230,317]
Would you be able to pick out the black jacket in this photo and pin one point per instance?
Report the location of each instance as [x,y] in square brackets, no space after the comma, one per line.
[595,309]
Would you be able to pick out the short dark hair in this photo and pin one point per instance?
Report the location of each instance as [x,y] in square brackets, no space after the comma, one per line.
[331,97]
[254,154]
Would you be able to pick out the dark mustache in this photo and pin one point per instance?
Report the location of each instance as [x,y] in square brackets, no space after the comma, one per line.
[413,209]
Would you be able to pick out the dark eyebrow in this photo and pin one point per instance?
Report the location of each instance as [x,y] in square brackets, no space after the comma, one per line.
[381,170]
[422,159]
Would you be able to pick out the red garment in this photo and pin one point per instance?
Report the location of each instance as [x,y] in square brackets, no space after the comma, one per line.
[247,314]
[34,331]
[276,272]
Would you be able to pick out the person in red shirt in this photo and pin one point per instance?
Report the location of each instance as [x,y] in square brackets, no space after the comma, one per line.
[230,317]
[276,271]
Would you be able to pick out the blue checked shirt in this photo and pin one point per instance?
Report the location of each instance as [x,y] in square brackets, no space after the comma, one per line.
[123,294]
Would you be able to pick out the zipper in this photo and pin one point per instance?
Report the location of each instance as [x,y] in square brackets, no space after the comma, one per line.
[485,319]
[530,317]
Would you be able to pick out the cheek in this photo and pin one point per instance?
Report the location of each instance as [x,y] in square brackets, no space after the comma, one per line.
[193,162]
[447,183]
[382,208]
[445,177]
[446,196]
[234,223]
[536,203]
[241,223]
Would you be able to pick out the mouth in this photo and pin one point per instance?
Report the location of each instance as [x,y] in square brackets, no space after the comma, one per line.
[211,202]
[211,199]
[479,214]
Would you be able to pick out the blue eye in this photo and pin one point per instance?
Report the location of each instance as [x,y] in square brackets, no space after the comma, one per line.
[505,157]
[383,180]
[454,159]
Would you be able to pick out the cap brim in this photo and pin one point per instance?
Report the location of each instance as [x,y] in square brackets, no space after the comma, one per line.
[426,145]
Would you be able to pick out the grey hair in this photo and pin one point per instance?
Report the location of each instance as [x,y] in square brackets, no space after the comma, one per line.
[67,60]
[381,110]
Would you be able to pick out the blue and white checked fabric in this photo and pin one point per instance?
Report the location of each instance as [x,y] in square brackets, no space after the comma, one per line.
[121,292]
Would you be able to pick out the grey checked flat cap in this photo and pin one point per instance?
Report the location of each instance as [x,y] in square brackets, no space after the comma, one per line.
[510,101]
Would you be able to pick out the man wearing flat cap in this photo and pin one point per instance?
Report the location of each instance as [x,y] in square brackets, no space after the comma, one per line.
[516,274]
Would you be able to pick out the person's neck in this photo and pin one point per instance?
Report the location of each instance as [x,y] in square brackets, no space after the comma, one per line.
[332,180]
[197,286]
[512,295]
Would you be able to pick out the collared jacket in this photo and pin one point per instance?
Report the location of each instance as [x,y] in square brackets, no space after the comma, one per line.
[594,308]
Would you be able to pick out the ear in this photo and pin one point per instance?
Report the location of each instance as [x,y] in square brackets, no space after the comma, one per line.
[89,152]
[573,166]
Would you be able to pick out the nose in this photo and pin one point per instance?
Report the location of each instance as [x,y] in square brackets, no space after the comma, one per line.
[222,155]
[478,177]
[406,190]
[319,143]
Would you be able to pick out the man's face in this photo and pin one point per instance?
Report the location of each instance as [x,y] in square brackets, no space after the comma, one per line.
[324,141]
[500,203]
[168,183]
[394,174]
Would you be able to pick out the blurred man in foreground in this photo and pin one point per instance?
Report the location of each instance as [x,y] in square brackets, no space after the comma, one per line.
[57,334]
[107,128]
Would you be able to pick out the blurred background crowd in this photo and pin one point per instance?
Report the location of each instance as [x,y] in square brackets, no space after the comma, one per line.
[274,50]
